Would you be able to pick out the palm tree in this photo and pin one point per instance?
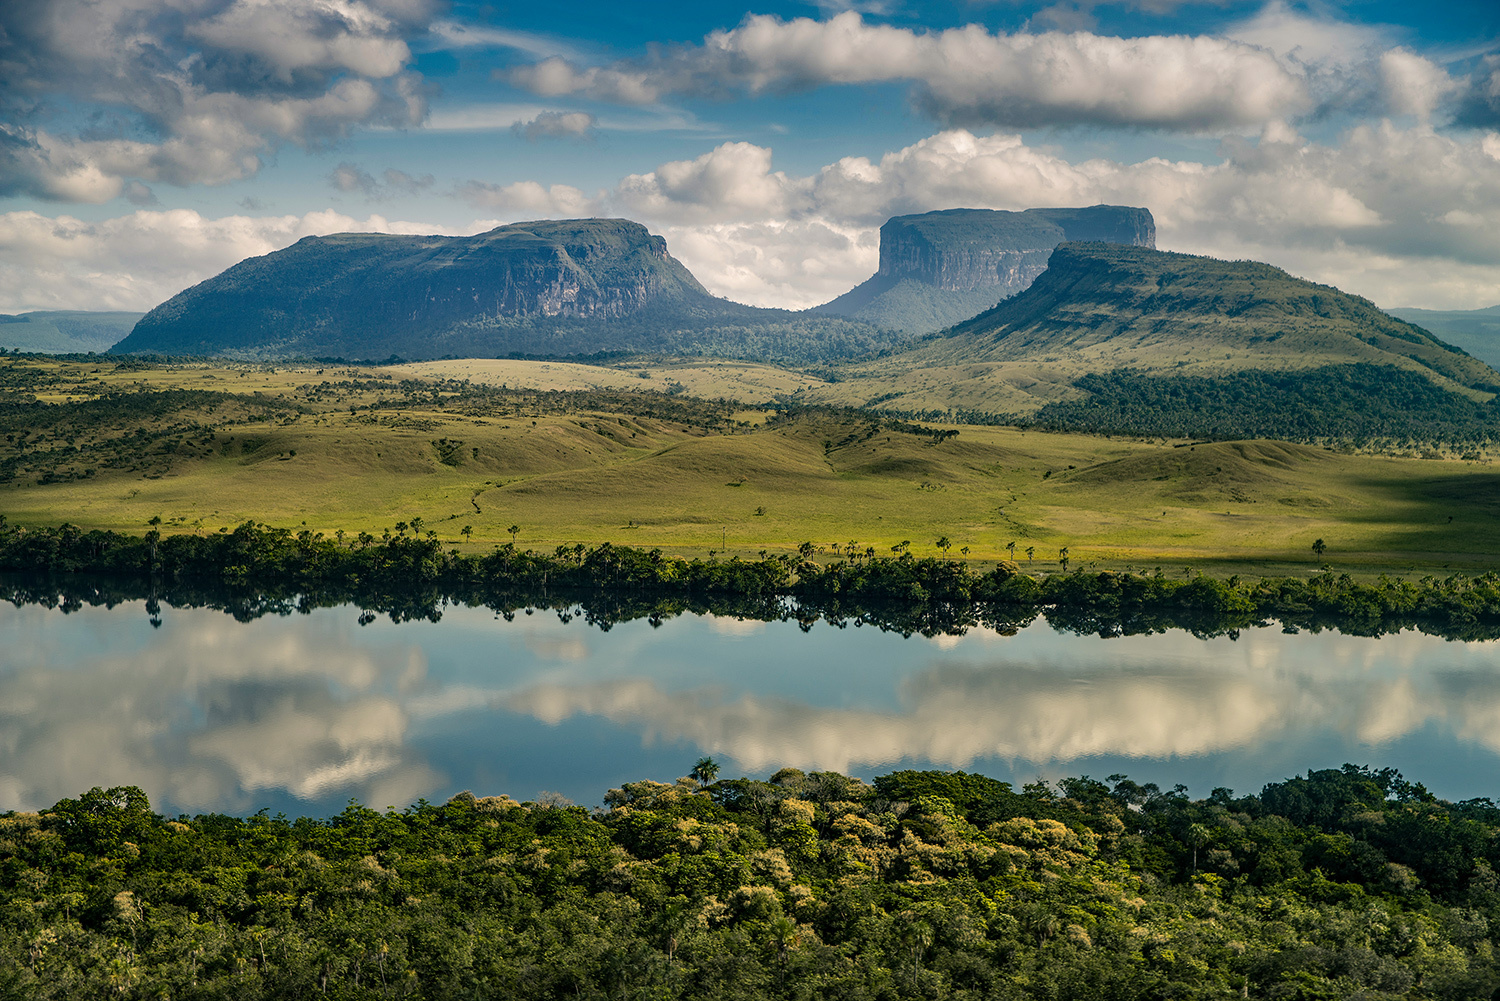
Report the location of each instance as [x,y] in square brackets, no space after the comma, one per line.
[1319,546]
[514,530]
[705,771]
[944,543]
[467,532]
[1030,553]
[1011,547]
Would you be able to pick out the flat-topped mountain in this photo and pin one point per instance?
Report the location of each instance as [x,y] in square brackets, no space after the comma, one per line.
[939,268]
[539,288]
[1144,331]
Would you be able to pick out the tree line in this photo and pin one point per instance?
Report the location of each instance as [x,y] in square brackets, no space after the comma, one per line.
[413,575]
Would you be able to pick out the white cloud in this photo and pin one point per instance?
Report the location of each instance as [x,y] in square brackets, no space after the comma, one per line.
[792,264]
[204,89]
[1405,216]
[963,75]
[1412,85]
[560,201]
[142,259]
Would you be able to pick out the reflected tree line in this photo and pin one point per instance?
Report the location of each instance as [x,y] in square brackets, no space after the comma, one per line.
[255,570]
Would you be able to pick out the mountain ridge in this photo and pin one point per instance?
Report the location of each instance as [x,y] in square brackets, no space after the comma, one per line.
[569,287]
[1108,308]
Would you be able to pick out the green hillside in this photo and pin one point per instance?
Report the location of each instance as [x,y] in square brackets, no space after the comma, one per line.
[579,287]
[1104,315]
[64,331]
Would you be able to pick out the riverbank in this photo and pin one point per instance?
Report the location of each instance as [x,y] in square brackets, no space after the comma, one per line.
[413,576]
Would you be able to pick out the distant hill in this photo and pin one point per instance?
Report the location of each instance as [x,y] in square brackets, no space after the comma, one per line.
[1477,331]
[939,268]
[64,331]
[558,288]
[1133,340]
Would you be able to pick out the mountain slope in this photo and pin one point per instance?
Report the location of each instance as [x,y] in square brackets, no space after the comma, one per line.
[1477,331]
[939,268]
[542,288]
[64,331]
[1132,313]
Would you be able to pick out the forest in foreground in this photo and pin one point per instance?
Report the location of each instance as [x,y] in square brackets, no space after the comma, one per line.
[1343,883]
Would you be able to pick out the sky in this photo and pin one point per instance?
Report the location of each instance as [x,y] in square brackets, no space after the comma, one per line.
[146,145]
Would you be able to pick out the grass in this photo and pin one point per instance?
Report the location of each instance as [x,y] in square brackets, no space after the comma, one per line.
[746,382]
[738,481]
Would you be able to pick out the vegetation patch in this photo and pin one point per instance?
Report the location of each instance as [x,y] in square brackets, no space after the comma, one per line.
[1342,883]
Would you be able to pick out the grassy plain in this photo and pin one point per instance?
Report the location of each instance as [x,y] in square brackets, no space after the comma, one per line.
[283,446]
[707,378]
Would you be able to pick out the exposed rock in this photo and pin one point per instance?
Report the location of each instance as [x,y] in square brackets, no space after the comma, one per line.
[554,288]
[939,268]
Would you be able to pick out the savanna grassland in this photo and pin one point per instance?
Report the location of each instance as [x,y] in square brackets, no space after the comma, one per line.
[108,444]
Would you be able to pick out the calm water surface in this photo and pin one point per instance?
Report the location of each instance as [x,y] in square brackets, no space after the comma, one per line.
[299,714]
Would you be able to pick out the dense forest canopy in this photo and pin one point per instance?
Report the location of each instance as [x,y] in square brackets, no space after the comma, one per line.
[1343,883]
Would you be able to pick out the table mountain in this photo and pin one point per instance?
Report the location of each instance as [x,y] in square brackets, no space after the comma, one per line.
[572,287]
[939,268]
[1127,339]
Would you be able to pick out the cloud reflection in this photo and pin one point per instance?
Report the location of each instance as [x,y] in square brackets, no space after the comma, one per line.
[211,713]
[954,713]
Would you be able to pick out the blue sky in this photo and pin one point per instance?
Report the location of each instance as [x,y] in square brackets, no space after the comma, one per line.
[147,144]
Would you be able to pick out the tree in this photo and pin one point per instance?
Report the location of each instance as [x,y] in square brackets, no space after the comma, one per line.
[1062,558]
[1011,548]
[1319,546]
[467,531]
[1030,553]
[705,771]
[944,543]
[514,530]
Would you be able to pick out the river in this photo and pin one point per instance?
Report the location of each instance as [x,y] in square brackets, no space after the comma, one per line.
[300,713]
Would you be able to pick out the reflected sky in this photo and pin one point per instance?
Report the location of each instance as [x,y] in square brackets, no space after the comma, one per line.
[300,714]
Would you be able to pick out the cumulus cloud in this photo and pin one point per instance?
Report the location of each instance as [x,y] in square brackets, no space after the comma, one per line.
[550,124]
[529,197]
[1412,85]
[1406,216]
[963,75]
[136,261]
[204,88]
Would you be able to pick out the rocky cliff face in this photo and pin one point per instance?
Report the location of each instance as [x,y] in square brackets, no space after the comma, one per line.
[978,256]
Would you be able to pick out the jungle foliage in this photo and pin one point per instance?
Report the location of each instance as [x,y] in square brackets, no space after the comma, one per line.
[1344,883]
[1360,403]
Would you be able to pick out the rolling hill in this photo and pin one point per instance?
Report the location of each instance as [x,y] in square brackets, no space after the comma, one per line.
[939,268]
[1130,328]
[575,287]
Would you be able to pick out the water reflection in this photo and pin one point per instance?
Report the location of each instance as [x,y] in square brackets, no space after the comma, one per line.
[300,713]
